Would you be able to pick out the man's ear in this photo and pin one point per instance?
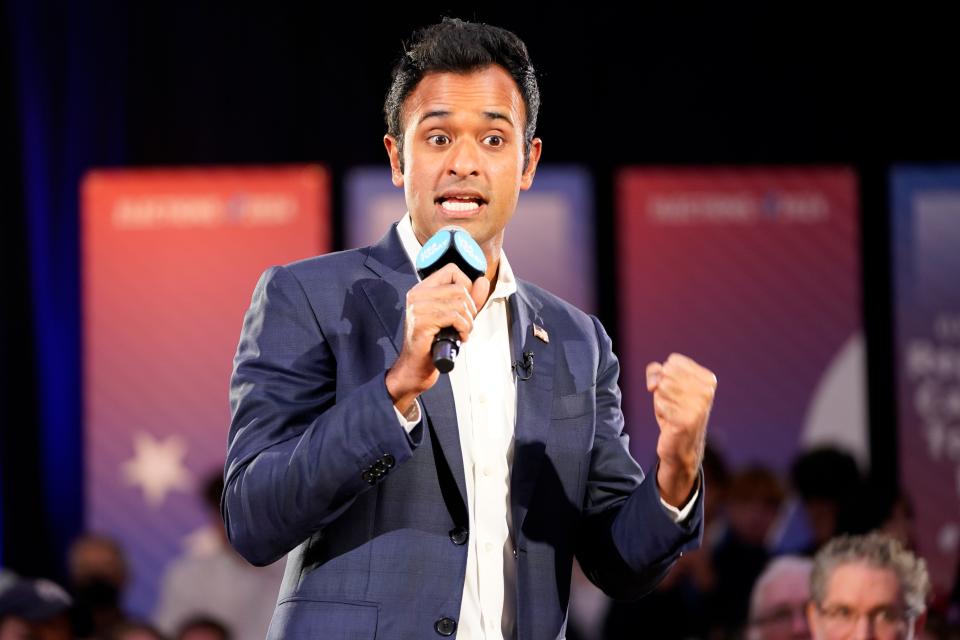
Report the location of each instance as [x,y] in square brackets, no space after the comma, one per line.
[526,180]
[396,166]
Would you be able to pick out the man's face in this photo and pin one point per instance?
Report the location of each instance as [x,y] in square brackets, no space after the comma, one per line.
[463,154]
[781,607]
[863,602]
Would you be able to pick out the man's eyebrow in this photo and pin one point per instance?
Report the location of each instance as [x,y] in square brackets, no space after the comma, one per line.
[439,113]
[442,113]
[496,115]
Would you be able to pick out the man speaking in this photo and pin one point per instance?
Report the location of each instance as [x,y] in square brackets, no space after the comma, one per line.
[415,504]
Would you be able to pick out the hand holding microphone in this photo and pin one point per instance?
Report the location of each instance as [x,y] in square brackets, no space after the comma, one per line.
[439,312]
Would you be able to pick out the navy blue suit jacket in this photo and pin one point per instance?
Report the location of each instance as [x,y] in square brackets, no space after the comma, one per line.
[374,519]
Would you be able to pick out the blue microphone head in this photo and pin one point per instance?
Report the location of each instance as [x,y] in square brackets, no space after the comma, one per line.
[434,249]
[452,244]
[470,251]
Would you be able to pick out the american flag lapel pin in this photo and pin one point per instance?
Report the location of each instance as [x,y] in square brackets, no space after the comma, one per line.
[541,333]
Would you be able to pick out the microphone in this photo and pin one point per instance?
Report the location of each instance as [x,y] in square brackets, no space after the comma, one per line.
[450,244]
[526,364]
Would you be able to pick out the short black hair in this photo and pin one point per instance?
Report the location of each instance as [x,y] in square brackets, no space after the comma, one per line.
[213,490]
[457,46]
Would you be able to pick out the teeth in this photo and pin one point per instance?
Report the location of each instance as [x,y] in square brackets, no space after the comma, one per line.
[451,205]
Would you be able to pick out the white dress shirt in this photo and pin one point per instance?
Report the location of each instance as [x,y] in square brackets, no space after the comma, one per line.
[485,395]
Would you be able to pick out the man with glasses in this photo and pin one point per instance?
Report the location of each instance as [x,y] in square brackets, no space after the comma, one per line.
[867,587]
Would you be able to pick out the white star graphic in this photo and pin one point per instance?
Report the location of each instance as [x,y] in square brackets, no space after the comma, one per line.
[157,467]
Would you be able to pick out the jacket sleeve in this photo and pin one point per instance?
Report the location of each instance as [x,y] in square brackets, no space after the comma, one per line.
[626,541]
[298,456]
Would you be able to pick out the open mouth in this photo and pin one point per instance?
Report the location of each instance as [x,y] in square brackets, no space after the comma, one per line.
[460,204]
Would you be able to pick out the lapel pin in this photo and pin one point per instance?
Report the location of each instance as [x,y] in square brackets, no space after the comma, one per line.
[541,333]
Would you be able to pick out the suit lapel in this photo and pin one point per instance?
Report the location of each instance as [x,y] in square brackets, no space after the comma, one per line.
[388,295]
[534,396]
[534,401]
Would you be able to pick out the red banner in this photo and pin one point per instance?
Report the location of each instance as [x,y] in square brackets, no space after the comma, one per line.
[170,259]
[754,273]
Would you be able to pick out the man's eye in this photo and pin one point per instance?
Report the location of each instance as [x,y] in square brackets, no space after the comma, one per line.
[439,139]
[888,614]
[844,613]
[494,140]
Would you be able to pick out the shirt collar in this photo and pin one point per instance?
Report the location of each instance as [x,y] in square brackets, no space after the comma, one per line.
[506,283]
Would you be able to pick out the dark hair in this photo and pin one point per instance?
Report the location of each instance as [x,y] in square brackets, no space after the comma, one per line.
[457,46]
[213,490]
[825,472]
[122,629]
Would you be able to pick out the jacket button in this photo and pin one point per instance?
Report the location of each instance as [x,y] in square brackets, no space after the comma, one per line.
[389,460]
[445,626]
[459,535]
[368,477]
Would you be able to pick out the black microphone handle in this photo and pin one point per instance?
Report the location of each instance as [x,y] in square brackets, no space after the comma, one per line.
[446,346]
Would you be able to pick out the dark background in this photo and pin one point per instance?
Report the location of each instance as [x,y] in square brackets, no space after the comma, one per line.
[116,84]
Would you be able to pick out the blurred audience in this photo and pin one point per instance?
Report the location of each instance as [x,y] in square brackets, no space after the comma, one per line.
[753,502]
[132,631]
[98,576]
[32,609]
[212,581]
[829,500]
[898,522]
[681,606]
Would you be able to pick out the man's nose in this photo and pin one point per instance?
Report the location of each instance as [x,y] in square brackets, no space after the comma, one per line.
[464,158]
[864,630]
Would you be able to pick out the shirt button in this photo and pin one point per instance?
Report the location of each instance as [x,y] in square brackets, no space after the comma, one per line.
[482,398]
[488,471]
[488,547]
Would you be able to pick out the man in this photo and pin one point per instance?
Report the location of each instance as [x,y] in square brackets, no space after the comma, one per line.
[414,504]
[98,577]
[779,599]
[867,587]
[32,609]
[212,583]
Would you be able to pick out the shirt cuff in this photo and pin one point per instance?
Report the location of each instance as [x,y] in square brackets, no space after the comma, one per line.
[412,417]
[679,515]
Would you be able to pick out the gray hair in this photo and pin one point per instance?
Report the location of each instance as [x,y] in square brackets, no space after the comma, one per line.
[878,551]
[777,568]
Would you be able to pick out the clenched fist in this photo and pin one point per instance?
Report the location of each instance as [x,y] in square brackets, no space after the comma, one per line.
[682,397]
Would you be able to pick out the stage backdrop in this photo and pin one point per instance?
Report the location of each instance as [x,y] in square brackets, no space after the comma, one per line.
[170,260]
[549,239]
[753,272]
[926,259]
